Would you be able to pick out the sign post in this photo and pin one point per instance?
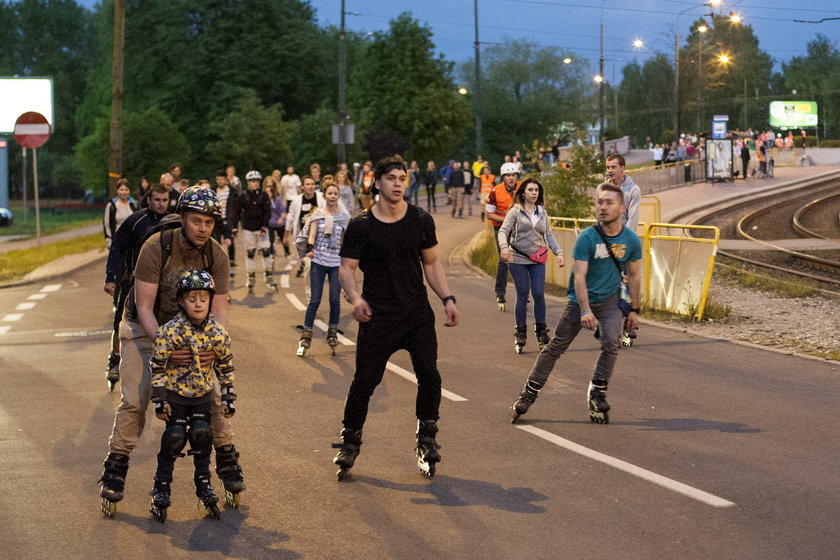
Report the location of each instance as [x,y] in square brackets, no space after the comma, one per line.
[32,130]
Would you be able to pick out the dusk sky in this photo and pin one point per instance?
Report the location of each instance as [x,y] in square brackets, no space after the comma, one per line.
[573,25]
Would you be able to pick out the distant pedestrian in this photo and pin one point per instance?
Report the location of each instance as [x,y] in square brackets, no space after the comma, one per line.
[430,180]
[117,210]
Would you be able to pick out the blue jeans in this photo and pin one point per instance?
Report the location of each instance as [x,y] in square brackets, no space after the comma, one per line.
[317,275]
[529,278]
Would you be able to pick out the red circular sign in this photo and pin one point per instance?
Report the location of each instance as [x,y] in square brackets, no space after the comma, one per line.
[32,130]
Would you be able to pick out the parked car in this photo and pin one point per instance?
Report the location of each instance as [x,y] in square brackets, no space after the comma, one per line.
[6,217]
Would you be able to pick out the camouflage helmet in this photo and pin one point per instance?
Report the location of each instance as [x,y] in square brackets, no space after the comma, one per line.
[199,199]
[196,279]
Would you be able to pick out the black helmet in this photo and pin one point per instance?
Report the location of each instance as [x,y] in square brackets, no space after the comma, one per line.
[201,200]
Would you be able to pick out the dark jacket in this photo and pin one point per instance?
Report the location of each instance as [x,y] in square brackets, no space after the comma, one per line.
[254,210]
[127,243]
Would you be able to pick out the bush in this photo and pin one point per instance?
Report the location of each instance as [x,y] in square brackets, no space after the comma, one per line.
[829,143]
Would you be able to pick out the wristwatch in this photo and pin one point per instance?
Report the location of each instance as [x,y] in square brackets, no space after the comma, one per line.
[636,310]
[449,298]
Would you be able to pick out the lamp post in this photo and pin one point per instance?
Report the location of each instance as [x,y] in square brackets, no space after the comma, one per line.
[700,76]
[600,80]
[342,78]
[477,108]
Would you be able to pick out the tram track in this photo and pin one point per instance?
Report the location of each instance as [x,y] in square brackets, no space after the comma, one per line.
[778,217]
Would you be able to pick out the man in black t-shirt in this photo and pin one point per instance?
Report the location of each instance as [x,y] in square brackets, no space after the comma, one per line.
[394,246]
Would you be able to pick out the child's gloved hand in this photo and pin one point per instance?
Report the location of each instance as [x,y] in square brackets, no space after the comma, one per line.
[228,396]
[162,410]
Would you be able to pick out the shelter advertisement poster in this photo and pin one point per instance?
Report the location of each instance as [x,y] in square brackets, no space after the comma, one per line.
[793,114]
[719,159]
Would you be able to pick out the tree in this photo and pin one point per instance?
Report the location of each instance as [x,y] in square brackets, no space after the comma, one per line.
[398,84]
[645,100]
[151,143]
[817,77]
[251,136]
[526,91]
[567,188]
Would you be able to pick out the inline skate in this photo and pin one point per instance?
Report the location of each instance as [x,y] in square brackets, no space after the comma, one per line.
[596,400]
[229,471]
[112,375]
[351,441]
[332,338]
[205,493]
[520,336]
[269,281]
[541,331]
[427,448]
[526,398]
[250,282]
[113,482]
[305,341]
[500,302]
[161,500]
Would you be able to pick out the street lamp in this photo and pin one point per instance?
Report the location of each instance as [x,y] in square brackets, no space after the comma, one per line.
[462,90]
[567,60]
[702,29]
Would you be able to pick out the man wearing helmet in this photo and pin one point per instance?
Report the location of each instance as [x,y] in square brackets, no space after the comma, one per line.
[498,204]
[254,215]
[162,262]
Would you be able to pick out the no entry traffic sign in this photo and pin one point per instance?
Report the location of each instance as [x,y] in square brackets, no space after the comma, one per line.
[32,130]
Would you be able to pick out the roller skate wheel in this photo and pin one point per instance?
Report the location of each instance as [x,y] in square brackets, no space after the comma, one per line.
[111,385]
[332,350]
[342,473]
[428,469]
[108,507]
[159,514]
[599,417]
[516,416]
[232,499]
[518,348]
[213,511]
[301,351]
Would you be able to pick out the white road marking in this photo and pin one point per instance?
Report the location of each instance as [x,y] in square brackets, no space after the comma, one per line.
[25,306]
[12,317]
[411,377]
[72,334]
[37,296]
[341,338]
[284,281]
[4,329]
[51,288]
[295,301]
[644,474]
[287,267]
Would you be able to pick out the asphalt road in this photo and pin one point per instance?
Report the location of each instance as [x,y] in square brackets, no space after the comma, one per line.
[715,450]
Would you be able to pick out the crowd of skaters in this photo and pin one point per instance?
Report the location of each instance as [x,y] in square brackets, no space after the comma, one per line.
[308,218]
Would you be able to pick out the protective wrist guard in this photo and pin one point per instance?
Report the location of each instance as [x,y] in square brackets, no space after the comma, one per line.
[159,405]
[228,396]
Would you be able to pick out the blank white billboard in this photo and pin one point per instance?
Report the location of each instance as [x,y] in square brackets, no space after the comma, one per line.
[20,95]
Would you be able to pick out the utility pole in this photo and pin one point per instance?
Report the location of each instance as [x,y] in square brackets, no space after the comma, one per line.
[342,78]
[676,86]
[477,109]
[601,87]
[115,159]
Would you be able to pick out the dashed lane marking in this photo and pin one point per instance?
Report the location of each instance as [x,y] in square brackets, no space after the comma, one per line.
[37,296]
[12,317]
[25,306]
[670,484]
[295,301]
[51,288]
[284,281]
[4,329]
[411,377]
[74,334]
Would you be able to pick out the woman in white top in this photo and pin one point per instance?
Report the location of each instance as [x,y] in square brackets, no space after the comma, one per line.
[117,210]
[320,239]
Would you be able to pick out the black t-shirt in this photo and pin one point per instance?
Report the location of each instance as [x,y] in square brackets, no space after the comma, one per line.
[307,206]
[389,256]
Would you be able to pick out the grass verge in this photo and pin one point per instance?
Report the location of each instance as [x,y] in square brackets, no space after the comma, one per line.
[755,281]
[14,265]
[53,220]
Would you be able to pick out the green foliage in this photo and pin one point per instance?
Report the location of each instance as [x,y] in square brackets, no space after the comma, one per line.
[484,254]
[401,86]
[251,136]
[14,265]
[817,77]
[527,92]
[645,100]
[151,142]
[568,190]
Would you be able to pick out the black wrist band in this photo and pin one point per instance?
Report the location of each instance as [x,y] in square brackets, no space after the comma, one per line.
[636,310]
[448,298]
